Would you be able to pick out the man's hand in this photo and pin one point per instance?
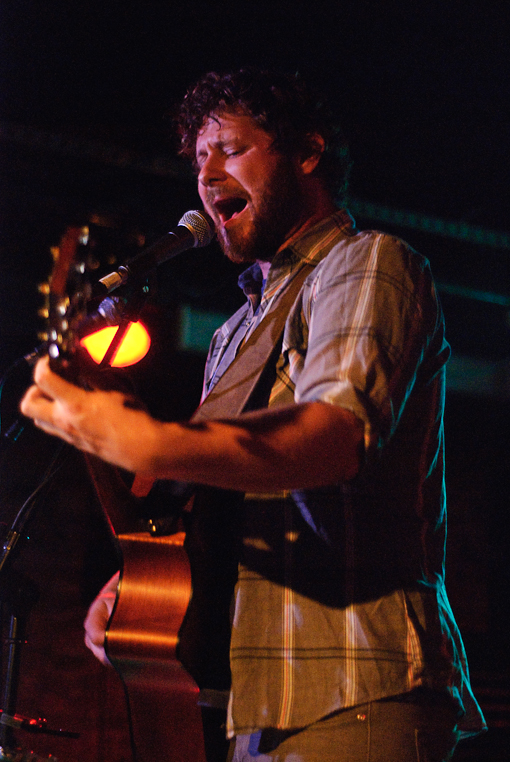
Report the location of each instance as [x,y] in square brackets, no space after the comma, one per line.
[105,423]
[98,617]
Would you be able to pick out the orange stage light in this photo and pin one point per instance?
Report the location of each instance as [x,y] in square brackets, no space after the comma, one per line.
[133,347]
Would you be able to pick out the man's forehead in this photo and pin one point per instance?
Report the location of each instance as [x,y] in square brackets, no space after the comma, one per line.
[228,123]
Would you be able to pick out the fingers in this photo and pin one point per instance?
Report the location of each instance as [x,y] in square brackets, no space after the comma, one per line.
[105,423]
[53,385]
[57,406]
[98,651]
[95,628]
[48,387]
[46,414]
[97,619]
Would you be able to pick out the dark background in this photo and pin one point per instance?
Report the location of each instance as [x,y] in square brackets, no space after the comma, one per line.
[422,91]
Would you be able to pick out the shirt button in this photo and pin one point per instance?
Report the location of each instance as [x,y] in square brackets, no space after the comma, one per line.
[361,717]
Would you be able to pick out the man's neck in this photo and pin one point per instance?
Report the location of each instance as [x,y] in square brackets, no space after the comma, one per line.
[297,231]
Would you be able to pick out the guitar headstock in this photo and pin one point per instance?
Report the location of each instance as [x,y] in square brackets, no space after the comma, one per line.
[85,352]
[67,293]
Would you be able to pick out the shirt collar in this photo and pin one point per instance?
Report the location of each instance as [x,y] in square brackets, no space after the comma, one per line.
[311,247]
[315,242]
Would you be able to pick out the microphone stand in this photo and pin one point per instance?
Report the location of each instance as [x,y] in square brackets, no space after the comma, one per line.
[17,596]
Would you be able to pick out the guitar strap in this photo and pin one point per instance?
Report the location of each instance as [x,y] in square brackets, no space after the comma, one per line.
[246,383]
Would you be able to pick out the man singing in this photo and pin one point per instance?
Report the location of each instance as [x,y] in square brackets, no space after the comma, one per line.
[343,647]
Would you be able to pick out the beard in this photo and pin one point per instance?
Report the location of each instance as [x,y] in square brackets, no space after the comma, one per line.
[278,210]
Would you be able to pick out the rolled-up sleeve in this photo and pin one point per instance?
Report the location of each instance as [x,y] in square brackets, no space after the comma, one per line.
[371,313]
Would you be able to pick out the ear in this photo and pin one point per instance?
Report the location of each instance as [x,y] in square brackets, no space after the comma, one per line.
[312,152]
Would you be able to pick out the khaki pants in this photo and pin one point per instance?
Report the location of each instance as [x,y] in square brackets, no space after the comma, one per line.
[381,731]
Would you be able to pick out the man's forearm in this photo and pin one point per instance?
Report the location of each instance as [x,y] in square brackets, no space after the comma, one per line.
[300,446]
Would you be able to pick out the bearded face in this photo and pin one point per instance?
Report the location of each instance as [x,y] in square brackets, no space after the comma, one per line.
[251,191]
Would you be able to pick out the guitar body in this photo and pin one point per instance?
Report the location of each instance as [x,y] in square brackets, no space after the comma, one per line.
[143,633]
[141,642]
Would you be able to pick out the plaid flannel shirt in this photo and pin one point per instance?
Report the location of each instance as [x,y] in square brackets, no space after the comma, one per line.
[341,596]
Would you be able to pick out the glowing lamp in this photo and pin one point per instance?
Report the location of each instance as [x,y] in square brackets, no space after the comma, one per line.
[133,347]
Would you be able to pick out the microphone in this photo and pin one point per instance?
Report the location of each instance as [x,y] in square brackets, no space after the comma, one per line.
[194,230]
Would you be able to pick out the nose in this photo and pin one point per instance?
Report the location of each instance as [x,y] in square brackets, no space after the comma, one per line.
[212,170]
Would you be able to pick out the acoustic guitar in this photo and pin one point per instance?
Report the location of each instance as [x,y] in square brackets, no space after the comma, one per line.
[155,587]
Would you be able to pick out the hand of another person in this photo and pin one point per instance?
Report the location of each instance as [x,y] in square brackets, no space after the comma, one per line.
[98,617]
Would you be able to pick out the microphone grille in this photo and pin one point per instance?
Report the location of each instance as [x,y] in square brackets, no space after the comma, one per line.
[200,225]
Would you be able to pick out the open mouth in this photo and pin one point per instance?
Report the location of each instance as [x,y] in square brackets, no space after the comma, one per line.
[228,208]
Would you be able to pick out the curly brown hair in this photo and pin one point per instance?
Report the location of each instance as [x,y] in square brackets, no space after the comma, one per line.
[281,104]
